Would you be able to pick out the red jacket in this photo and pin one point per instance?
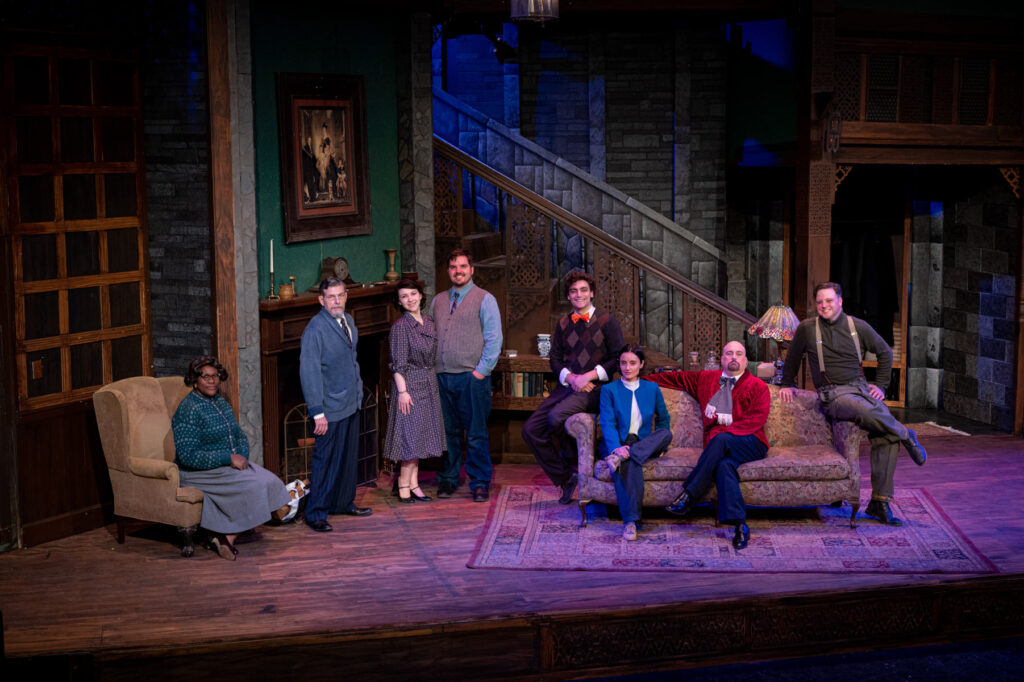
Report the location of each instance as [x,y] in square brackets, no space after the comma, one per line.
[750,400]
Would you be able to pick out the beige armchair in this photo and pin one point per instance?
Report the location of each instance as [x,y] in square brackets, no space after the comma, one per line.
[134,420]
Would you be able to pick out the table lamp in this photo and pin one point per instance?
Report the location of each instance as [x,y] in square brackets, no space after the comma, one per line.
[779,322]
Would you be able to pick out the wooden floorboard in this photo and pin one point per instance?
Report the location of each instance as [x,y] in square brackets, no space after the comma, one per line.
[395,585]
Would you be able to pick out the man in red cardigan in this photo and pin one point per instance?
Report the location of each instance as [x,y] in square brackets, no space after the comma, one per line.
[735,405]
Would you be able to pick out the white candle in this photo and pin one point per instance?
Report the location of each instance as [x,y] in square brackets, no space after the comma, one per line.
[271,255]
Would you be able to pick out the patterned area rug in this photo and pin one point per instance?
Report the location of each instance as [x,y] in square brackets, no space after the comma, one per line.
[933,429]
[528,529]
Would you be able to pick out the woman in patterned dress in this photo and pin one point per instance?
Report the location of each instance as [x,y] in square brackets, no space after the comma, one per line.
[212,454]
[415,425]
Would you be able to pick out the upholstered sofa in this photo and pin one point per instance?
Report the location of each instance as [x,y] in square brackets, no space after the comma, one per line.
[811,461]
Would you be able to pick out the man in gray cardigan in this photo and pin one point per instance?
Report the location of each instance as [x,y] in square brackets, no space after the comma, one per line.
[333,389]
[468,343]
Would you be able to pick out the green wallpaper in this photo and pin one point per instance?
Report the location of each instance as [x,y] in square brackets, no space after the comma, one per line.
[291,38]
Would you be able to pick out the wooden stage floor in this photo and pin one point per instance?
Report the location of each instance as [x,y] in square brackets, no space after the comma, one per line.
[390,597]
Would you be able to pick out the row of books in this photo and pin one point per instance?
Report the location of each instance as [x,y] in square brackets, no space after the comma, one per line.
[522,384]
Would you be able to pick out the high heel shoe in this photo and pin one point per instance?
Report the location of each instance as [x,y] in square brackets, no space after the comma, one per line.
[394,489]
[223,548]
[421,497]
[405,500]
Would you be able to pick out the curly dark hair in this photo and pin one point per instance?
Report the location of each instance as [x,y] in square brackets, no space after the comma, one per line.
[576,276]
[195,368]
[408,284]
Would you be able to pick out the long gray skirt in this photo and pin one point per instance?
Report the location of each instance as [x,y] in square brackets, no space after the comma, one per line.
[236,500]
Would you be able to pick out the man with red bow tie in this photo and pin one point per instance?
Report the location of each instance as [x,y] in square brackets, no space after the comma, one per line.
[584,356]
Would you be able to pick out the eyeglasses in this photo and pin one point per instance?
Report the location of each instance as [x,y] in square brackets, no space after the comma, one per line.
[209,377]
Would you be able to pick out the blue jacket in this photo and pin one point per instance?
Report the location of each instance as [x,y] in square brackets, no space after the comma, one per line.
[328,368]
[617,404]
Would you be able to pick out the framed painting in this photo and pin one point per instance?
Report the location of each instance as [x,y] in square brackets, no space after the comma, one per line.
[325,183]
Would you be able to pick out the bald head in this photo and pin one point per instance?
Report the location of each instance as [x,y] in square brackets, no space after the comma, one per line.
[734,359]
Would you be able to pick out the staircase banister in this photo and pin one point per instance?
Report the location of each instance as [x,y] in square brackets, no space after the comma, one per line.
[637,257]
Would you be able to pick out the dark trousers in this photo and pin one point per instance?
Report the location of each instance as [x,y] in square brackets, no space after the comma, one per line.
[333,479]
[884,432]
[466,404]
[718,464]
[544,431]
[629,477]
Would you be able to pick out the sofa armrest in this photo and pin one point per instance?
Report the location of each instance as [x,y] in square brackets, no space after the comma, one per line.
[153,468]
[581,427]
[847,437]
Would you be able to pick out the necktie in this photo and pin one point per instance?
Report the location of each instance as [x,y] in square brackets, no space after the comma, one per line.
[455,302]
[722,399]
[585,317]
[345,327]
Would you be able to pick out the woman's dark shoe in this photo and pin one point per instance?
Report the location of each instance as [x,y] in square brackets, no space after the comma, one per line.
[405,500]
[419,496]
[394,488]
[742,536]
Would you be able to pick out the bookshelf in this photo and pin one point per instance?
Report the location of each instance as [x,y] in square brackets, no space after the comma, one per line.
[520,383]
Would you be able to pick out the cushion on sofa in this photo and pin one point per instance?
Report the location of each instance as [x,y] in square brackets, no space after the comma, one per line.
[684,413]
[800,422]
[799,463]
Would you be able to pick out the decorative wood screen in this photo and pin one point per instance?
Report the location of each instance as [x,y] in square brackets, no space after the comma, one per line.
[75,195]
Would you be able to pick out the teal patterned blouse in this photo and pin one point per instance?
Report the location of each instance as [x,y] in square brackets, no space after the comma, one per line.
[206,433]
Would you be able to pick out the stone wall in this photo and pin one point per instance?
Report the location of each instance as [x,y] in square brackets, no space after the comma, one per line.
[700,201]
[924,350]
[415,148]
[174,91]
[979,284]
[640,113]
[554,96]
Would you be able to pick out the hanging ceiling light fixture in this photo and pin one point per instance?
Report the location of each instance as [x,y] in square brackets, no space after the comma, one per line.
[534,10]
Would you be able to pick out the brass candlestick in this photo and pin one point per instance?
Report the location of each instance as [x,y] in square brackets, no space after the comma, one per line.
[273,295]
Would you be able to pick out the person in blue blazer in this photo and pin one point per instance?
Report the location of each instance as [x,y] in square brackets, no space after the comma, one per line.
[329,373]
[636,427]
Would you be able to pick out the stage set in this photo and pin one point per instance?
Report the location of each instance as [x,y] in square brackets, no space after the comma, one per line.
[391,596]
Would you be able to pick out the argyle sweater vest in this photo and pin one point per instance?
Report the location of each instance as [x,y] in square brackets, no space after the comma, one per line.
[579,346]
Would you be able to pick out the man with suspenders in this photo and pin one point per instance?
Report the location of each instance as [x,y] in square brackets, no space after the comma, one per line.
[836,343]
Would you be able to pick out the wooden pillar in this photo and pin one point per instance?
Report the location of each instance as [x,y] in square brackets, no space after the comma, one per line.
[222,204]
[1018,402]
[815,170]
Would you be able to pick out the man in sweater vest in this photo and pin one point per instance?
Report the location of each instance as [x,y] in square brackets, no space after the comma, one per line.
[468,343]
[836,343]
[584,356]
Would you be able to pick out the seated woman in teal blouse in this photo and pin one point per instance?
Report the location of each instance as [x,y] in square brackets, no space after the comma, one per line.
[212,454]
[635,427]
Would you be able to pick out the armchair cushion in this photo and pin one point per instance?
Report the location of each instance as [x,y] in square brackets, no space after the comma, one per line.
[152,468]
